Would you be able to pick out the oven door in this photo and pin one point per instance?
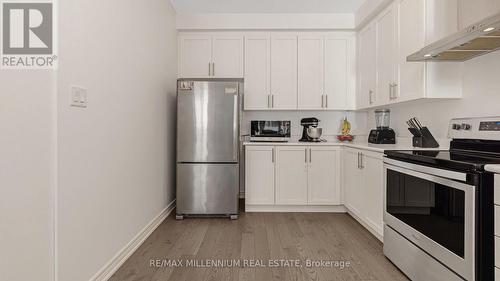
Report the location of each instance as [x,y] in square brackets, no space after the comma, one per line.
[433,209]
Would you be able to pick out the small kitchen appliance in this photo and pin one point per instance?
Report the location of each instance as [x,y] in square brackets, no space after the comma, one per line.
[311,132]
[383,134]
[439,205]
[270,131]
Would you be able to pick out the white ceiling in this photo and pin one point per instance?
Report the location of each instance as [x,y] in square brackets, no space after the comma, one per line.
[265,6]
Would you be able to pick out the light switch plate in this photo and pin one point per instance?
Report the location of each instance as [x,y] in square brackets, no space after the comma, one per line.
[78,96]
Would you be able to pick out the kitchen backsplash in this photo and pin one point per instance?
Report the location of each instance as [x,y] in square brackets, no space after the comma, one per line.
[329,120]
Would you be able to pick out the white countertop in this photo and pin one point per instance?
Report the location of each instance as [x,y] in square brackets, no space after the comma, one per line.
[332,141]
[492,168]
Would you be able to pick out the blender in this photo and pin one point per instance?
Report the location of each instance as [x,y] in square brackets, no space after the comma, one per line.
[382,134]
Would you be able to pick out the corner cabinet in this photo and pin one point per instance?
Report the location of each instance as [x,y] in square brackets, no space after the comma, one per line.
[404,27]
[210,55]
[292,176]
[326,71]
[364,188]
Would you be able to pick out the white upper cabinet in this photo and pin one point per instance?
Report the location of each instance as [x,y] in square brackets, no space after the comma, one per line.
[386,54]
[403,28]
[340,71]
[311,71]
[326,71]
[284,70]
[195,56]
[227,56]
[257,71]
[210,56]
[367,72]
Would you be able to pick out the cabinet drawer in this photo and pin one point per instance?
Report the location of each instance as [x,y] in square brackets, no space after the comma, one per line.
[496,191]
[497,220]
[497,251]
[497,274]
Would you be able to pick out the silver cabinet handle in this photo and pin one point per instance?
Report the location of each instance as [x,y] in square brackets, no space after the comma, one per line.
[213,68]
[310,155]
[359,167]
[209,71]
[322,101]
[272,155]
[361,164]
[305,155]
[272,101]
[326,102]
[394,90]
[268,101]
[370,93]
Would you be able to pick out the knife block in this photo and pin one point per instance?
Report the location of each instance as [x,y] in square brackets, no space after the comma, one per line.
[423,138]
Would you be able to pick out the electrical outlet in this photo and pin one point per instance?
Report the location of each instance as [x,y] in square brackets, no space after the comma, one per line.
[78,97]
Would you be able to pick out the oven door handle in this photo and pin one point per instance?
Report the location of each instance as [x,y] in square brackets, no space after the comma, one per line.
[427,170]
[431,177]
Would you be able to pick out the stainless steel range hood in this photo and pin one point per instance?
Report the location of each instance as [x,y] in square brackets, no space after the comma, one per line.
[476,40]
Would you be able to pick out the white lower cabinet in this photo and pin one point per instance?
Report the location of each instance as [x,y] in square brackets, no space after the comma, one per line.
[259,165]
[324,176]
[364,187]
[292,176]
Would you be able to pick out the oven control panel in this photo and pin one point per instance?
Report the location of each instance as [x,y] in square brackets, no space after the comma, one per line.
[487,128]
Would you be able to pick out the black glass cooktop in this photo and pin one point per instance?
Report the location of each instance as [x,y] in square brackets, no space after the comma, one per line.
[468,161]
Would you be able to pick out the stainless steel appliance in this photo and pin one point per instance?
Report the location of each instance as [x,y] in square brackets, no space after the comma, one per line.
[438,219]
[383,134]
[270,131]
[478,39]
[208,145]
[310,131]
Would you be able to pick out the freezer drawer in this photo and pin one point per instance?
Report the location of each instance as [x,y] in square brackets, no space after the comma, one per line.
[207,189]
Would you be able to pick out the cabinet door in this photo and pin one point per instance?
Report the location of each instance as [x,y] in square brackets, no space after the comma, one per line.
[291,175]
[195,56]
[324,176]
[257,71]
[284,71]
[339,72]
[373,190]
[311,72]
[259,175]
[353,182]
[227,56]
[386,55]
[411,38]
[367,67]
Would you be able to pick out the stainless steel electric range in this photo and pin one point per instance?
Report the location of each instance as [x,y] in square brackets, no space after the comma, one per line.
[438,218]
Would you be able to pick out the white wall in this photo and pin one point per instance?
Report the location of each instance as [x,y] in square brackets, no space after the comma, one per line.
[481,86]
[26,175]
[116,157]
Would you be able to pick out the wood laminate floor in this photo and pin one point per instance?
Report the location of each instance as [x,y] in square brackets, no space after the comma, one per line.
[260,236]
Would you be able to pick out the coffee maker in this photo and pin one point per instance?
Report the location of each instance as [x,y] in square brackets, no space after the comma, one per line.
[308,123]
[383,134]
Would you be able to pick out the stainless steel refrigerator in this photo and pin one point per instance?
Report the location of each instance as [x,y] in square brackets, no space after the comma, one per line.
[208,147]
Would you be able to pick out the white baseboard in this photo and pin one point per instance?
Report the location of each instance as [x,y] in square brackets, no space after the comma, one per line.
[376,231]
[117,261]
[295,209]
